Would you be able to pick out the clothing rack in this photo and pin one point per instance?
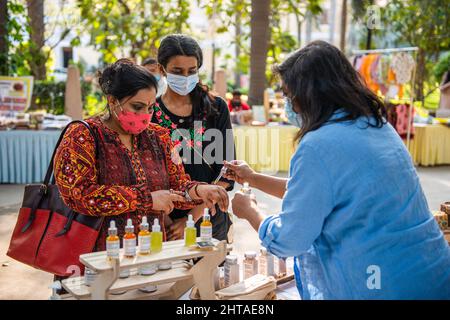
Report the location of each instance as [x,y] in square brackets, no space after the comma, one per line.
[411,99]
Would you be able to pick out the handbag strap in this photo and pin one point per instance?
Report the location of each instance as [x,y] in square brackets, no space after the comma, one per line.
[50,166]
[44,185]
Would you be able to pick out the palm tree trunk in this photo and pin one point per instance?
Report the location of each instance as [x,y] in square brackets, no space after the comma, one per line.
[3,37]
[260,34]
[37,29]
[237,48]
[420,75]
[343,25]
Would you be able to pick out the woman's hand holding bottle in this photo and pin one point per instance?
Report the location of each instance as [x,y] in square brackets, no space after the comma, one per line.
[239,171]
[212,195]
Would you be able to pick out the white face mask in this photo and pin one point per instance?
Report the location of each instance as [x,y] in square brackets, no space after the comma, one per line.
[293,117]
[181,84]
[162,86]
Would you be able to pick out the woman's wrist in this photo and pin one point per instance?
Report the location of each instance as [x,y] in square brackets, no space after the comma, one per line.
[253,179]
[256,219]
[194,191]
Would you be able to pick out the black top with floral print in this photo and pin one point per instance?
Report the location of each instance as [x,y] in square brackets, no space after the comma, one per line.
[196,144]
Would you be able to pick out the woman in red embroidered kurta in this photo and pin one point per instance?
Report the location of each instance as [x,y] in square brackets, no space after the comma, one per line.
[128,175]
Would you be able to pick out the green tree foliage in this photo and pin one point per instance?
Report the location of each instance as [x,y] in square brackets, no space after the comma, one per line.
[133,26]
[424,24]
[280,42]
[17,28]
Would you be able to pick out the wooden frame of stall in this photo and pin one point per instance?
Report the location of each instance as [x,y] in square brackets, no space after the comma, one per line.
[172,283]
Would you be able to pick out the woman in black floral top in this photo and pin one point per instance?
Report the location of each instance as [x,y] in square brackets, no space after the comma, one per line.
[200,126]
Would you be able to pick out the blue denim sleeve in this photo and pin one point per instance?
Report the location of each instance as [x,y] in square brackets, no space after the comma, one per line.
[306,204]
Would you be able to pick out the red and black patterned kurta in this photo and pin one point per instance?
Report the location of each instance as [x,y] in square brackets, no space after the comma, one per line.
[116,183]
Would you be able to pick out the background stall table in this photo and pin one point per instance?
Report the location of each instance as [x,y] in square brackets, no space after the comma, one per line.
[271,148]
[268,149]
[430,145]
[25,155]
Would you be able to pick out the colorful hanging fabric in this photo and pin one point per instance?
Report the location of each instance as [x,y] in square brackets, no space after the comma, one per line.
[402,64]
[397,116]
[366,66]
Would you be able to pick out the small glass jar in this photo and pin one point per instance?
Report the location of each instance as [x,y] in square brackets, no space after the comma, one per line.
[89,276]
[165,265]
[124,274]
[266,263]
[231,270]
[281,267]
[250,264]
[147,270]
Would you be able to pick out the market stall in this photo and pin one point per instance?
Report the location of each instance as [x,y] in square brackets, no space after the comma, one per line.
[25,155]
[431,145]
[270,148]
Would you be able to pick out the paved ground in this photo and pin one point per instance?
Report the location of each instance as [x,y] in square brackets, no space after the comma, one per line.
[18,281]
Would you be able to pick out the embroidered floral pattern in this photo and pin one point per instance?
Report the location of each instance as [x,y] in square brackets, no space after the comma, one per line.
[196,137]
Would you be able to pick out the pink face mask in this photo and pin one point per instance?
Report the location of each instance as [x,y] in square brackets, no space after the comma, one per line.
[131,122]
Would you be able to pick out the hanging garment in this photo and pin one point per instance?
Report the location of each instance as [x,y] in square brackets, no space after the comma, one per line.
[366,66]
[382,72]
[397,116]
[402,64]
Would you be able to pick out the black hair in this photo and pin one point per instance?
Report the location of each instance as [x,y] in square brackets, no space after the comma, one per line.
[124,78]
[237,93]
[320,80]
[149,61]
[183,45]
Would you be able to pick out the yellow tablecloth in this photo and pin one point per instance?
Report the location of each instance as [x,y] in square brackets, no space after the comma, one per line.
[269,149]
[430,145]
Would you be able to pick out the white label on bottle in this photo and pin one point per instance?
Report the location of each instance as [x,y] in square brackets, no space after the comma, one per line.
[113,249]
[144,244]
[231,274]
[129,246]
[89,276]
[263,265]
[250,268]
[206,233]
[270,265]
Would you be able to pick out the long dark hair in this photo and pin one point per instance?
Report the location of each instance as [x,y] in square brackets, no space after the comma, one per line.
[320,80]
[124,78]
[183,45]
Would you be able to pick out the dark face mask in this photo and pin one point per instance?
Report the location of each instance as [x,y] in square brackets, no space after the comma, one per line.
[235,103]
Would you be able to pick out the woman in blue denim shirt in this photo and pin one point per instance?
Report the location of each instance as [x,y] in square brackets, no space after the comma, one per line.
[353,215]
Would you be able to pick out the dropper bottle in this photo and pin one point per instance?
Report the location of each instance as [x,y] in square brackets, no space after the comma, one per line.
[190,232]
[144,237]
[112,242]
[206,226]
[156,238]
[129,246]
[246,188]
[144,240]
[129,240]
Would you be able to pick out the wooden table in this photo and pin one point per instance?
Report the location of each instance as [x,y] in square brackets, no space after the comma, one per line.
[171,283]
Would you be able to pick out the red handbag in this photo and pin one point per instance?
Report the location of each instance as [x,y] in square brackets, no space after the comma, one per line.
[49,235]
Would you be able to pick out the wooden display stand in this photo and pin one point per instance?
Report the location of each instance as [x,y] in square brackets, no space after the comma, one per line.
[447,235]
[171,283]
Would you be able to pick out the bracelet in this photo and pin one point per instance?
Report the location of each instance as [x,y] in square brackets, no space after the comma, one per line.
[187,196]
[195,191]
